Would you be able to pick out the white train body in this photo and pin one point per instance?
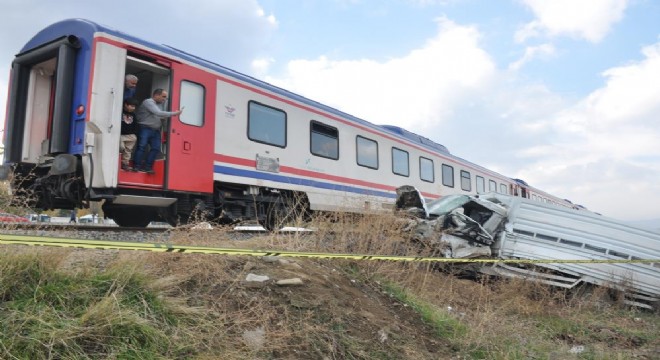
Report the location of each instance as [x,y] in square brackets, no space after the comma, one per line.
[242,148]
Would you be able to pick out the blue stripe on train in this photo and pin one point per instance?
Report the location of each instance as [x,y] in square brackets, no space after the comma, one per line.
[218,169]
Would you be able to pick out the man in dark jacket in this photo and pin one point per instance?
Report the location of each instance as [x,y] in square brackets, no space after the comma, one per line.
[129,131]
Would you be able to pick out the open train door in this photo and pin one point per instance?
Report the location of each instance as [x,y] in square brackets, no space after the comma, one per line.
[190,136]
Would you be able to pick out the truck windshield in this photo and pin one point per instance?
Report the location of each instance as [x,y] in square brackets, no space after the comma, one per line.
[446,204]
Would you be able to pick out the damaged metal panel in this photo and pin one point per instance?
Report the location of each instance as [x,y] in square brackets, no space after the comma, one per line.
[507,227]
[536,230]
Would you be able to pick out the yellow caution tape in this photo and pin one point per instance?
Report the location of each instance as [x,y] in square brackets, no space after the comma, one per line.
[122,245]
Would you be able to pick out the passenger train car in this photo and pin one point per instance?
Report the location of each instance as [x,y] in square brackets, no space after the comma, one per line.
[242,148]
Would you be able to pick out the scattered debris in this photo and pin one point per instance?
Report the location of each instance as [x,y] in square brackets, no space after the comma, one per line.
[255,339]
[256,278]
[382,335]
[293,281]
[577,349]
[202,226]
[270,259]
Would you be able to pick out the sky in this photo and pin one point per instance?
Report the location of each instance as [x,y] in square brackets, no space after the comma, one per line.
[564,94]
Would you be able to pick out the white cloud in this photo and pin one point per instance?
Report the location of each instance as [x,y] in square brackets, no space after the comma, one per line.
[415,91]
[261,66]
[270,18]
[630,98]
[587,19]
[532,52]
[608,145]
[632,91]
[231,33]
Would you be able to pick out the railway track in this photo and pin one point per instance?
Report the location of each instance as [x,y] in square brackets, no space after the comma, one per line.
[79,227]
[154,234]
[245,229]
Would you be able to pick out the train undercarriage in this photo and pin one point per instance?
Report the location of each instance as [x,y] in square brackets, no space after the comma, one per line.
[60,185]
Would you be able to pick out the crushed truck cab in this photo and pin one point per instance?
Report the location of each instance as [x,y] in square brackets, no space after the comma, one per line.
[507,227]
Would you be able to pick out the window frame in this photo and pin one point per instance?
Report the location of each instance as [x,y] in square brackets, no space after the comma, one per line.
[450,168]
[492,186]
[182,117]
[483,184]
[313,123]
[421,177]
[249,122]
[407,174]
[463,180]
[357,152]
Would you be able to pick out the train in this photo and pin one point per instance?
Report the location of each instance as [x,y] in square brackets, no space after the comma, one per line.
[243,149]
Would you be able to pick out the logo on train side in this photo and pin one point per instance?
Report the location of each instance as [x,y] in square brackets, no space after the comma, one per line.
[229,111]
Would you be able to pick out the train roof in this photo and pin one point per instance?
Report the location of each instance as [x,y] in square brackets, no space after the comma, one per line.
[416,138]
[520,181]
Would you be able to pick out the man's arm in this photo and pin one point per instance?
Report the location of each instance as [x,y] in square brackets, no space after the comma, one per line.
[154,109]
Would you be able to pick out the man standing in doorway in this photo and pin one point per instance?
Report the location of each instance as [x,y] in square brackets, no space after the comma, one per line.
[130,84]
[150,117]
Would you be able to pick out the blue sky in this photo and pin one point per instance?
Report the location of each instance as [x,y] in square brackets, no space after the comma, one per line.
[564,94]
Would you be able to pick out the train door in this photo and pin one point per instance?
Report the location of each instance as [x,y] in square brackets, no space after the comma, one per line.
[190,136]
[104,115]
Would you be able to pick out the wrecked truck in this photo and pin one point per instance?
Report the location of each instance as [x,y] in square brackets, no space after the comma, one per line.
[499,226]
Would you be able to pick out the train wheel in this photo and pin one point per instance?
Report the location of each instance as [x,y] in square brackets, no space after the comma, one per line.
[290,210]
[276,217]
[268,220]
[199,212]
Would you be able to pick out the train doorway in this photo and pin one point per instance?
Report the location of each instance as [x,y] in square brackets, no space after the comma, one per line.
[152,74]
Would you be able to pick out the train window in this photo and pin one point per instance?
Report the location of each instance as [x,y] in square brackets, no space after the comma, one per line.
[426,171]
[266,124]
[503,189]
[481,185]
[367,152]
[534,197]
[466,182]
[492,186]
[400,162]
[192,98]
[323,140]
[447,175]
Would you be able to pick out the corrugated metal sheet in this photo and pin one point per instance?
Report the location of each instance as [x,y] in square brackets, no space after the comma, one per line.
[536,230]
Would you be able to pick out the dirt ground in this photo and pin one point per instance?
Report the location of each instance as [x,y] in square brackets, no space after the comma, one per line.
[341,309]
[330,314]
